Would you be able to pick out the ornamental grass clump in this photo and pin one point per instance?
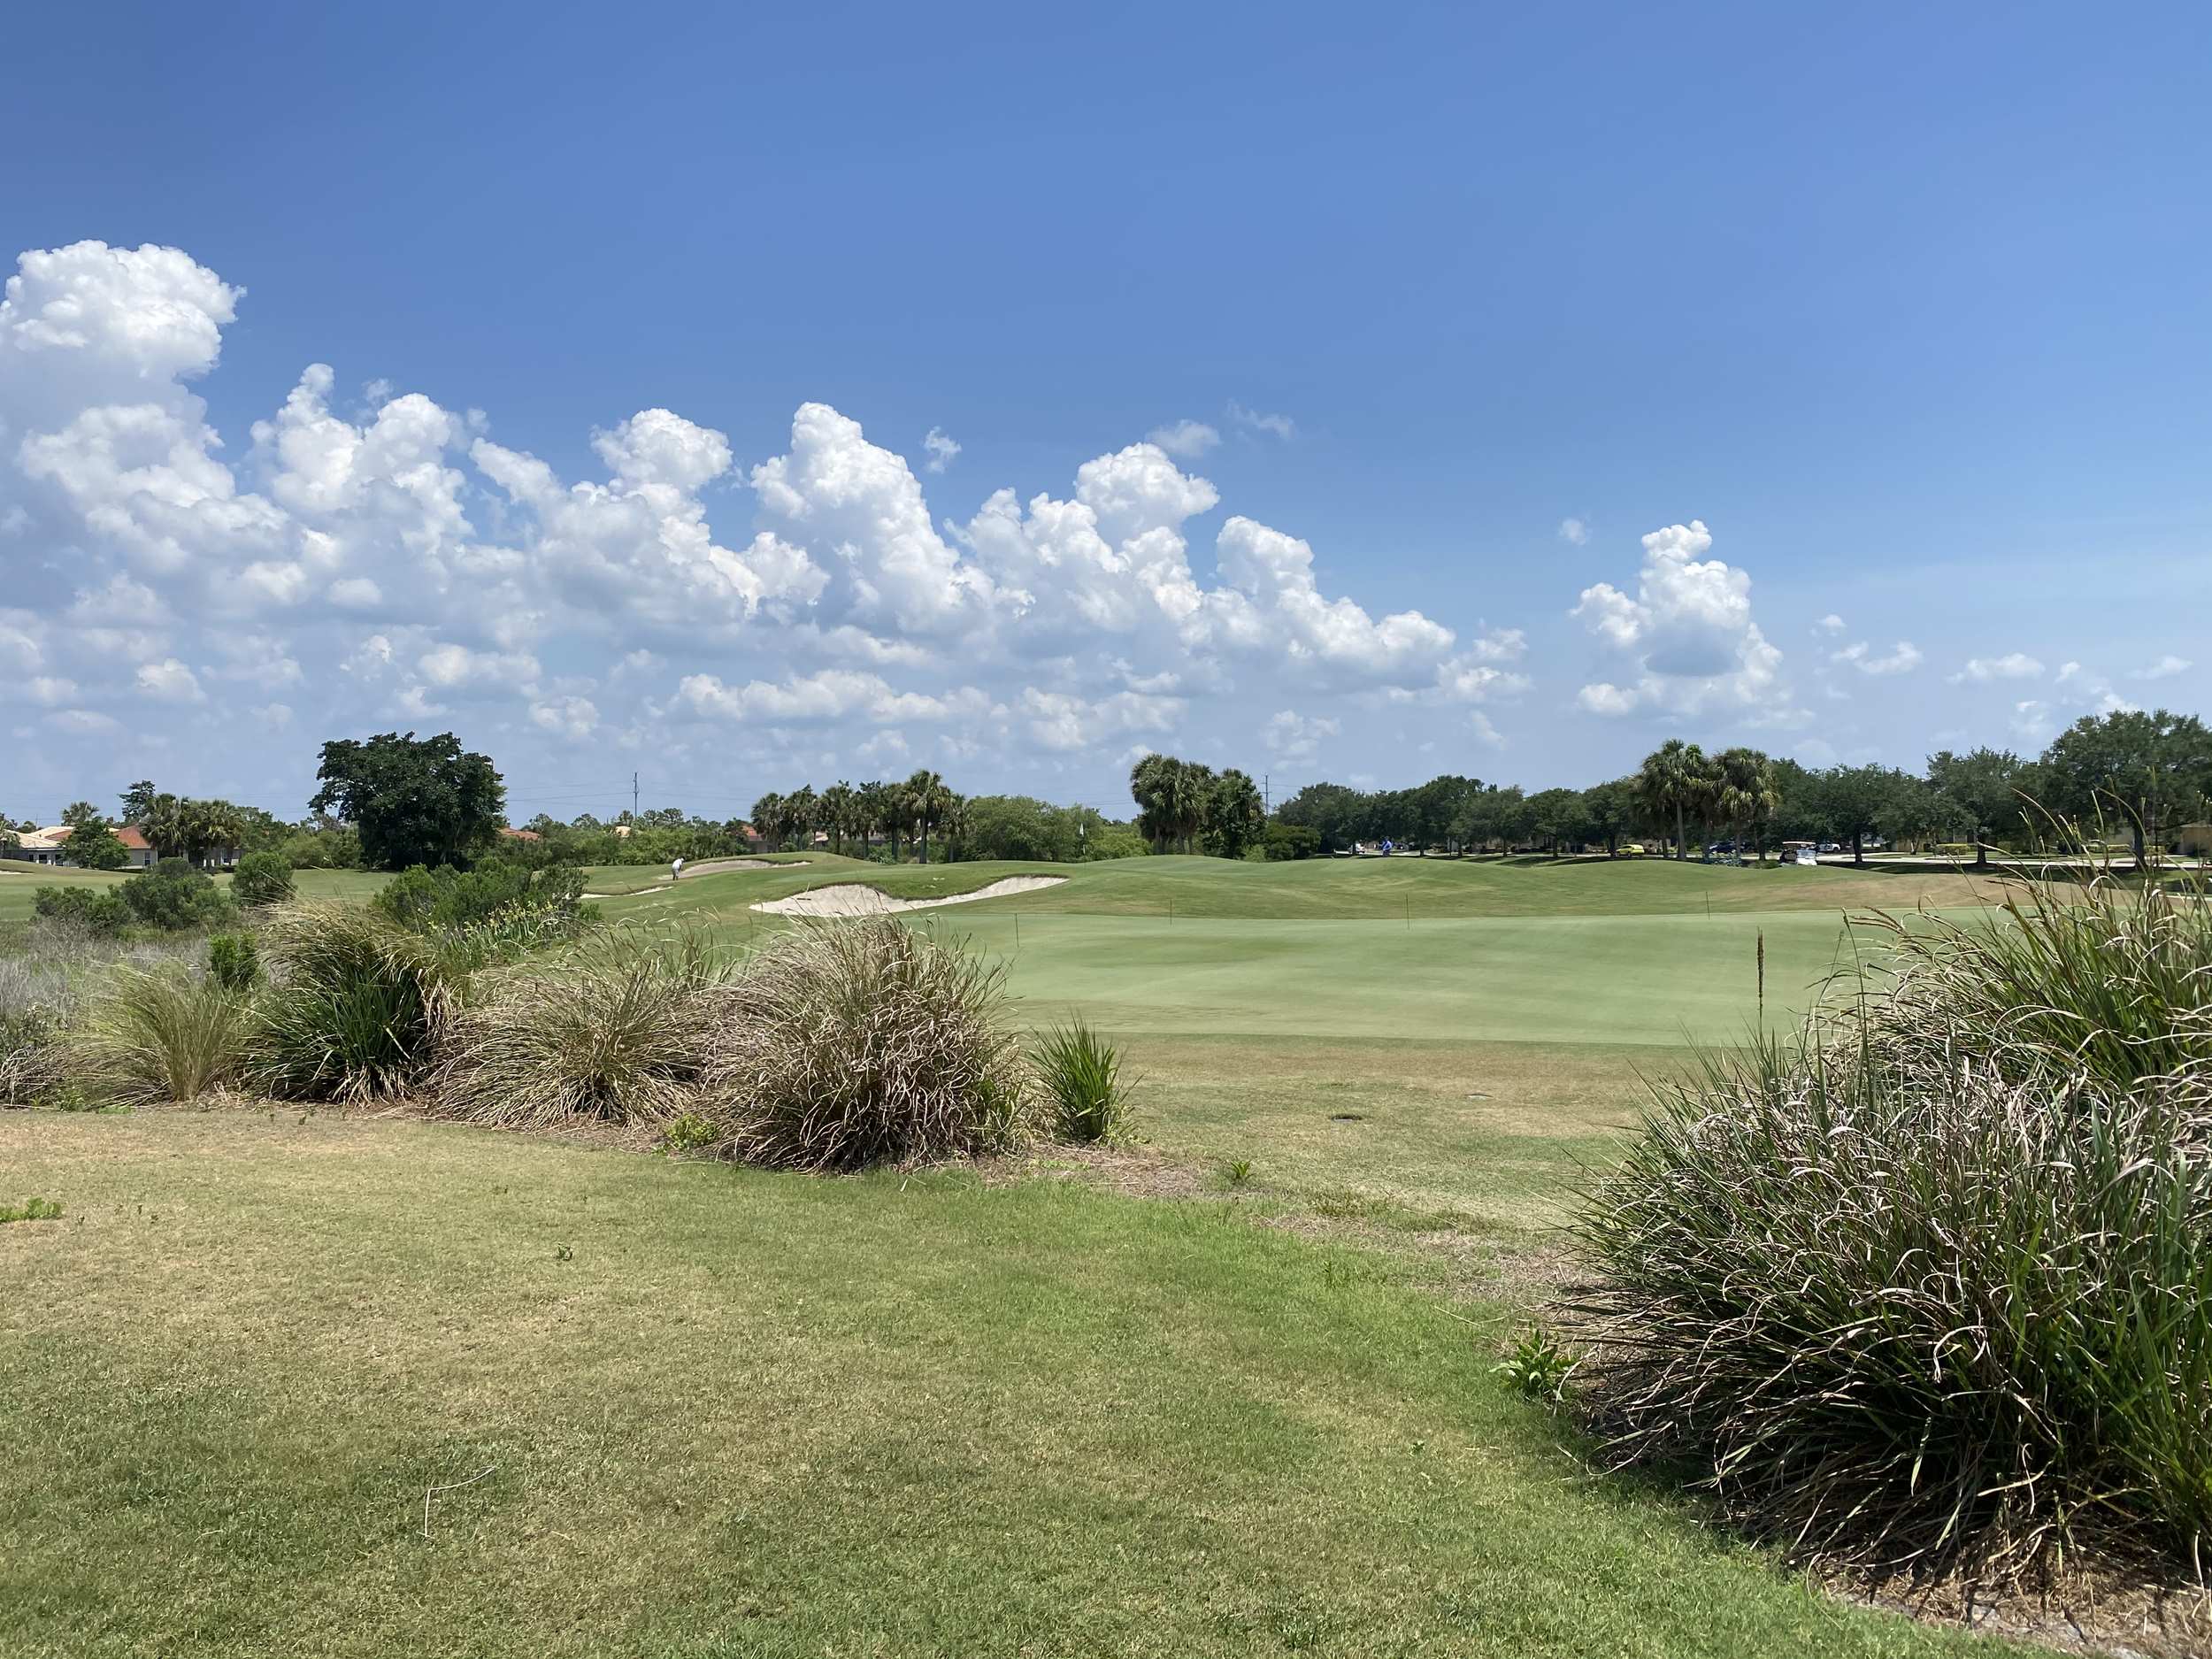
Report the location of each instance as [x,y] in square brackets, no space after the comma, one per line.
[1079,1072]
[354,1005]
[856,1043]
[609,1032]
[157,1036]
[1932,1287]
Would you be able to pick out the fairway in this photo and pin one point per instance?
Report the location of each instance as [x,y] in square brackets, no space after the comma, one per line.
[1227,1390]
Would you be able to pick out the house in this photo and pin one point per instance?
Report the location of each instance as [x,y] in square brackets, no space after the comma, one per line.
[518,835]
[48,846]
[40,846]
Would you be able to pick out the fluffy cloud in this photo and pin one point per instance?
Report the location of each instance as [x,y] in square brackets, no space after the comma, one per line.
[943,449]
[1688,632]
[1275,426]
[370,556]
[1293,737]
[1901,658]
[2012,666]
[2166,667]
[1185,439]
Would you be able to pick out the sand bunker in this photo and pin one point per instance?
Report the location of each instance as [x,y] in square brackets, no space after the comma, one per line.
[849,898]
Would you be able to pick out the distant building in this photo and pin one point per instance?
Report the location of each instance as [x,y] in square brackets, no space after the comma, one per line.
[518,835]
[48,846]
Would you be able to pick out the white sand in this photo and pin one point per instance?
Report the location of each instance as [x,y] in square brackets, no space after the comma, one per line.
[849,898]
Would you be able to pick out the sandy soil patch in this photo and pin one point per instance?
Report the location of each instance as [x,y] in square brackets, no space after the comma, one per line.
[850,898]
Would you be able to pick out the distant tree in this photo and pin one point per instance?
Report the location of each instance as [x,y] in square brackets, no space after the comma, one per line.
[413,800]
[1281,840]
[81,813]
[138,802]
[1670,781]
[1330,810]
[928,802]
[1557,820]
[1610,808]
[768,818]
[1854,800]
[802,815]
[92,845]
[1234,814]
[1152,786]
[1746,795]
[2151,769]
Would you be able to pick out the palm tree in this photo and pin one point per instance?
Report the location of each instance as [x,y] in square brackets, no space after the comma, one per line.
[1667,783]
[837,812]
[768,818]
[1150,782]
[1747,794]
[803,810]
[927,800]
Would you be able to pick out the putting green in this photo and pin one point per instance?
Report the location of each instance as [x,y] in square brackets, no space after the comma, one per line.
[1639,980]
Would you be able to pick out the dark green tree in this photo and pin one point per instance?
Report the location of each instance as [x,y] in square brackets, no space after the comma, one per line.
[1235,815]
[1979,793]
[2151,769]
[414,801]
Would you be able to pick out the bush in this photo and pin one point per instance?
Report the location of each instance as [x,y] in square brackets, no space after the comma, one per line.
[858,1042]
[1290,841]
[155,1036]
[33,1013]
[1936,1287]
[263,878]
[611,1033]
[355,1007]
[233,961]
[429,900]
[99,912]
[1080,1074]
[173,897]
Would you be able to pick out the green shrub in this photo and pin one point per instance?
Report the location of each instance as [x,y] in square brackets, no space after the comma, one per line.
[447,899]
[1080,1074]
[611,1032]
[263,878]
[354,1008]
[858,1042]
[173,897]
[1936,1287]
[233,961]
[31,1209]
[99,912]
[155,1036]
[1290,841]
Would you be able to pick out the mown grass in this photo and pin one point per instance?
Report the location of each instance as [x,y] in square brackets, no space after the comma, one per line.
[727,1412]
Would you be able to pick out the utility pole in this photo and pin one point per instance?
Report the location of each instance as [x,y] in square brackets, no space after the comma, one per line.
[633,797]
[1267,798]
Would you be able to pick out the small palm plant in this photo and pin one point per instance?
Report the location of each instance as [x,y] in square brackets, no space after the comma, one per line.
[1081,1072]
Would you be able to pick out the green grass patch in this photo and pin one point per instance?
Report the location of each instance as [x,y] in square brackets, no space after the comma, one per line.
[726,1411]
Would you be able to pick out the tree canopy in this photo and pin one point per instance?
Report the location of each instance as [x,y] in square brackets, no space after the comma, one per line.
[414,801]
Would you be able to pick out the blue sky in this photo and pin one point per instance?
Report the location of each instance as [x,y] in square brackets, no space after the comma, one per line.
[1867,353]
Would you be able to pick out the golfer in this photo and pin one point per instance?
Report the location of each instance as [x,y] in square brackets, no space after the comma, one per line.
[675,869]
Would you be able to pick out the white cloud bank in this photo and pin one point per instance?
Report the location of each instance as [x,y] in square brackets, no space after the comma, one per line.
[403,562]
[1686,639]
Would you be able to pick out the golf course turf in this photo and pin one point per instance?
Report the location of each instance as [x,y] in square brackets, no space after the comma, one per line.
[706,1410]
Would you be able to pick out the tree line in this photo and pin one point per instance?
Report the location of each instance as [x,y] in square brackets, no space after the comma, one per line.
[2140,775]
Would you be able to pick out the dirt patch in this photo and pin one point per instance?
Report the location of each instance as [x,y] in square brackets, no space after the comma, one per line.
[851,898]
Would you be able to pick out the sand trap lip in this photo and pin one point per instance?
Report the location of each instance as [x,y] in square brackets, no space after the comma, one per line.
[850,898]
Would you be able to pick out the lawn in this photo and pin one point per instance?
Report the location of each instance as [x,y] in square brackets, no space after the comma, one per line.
[729,1412]
[725,1412]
